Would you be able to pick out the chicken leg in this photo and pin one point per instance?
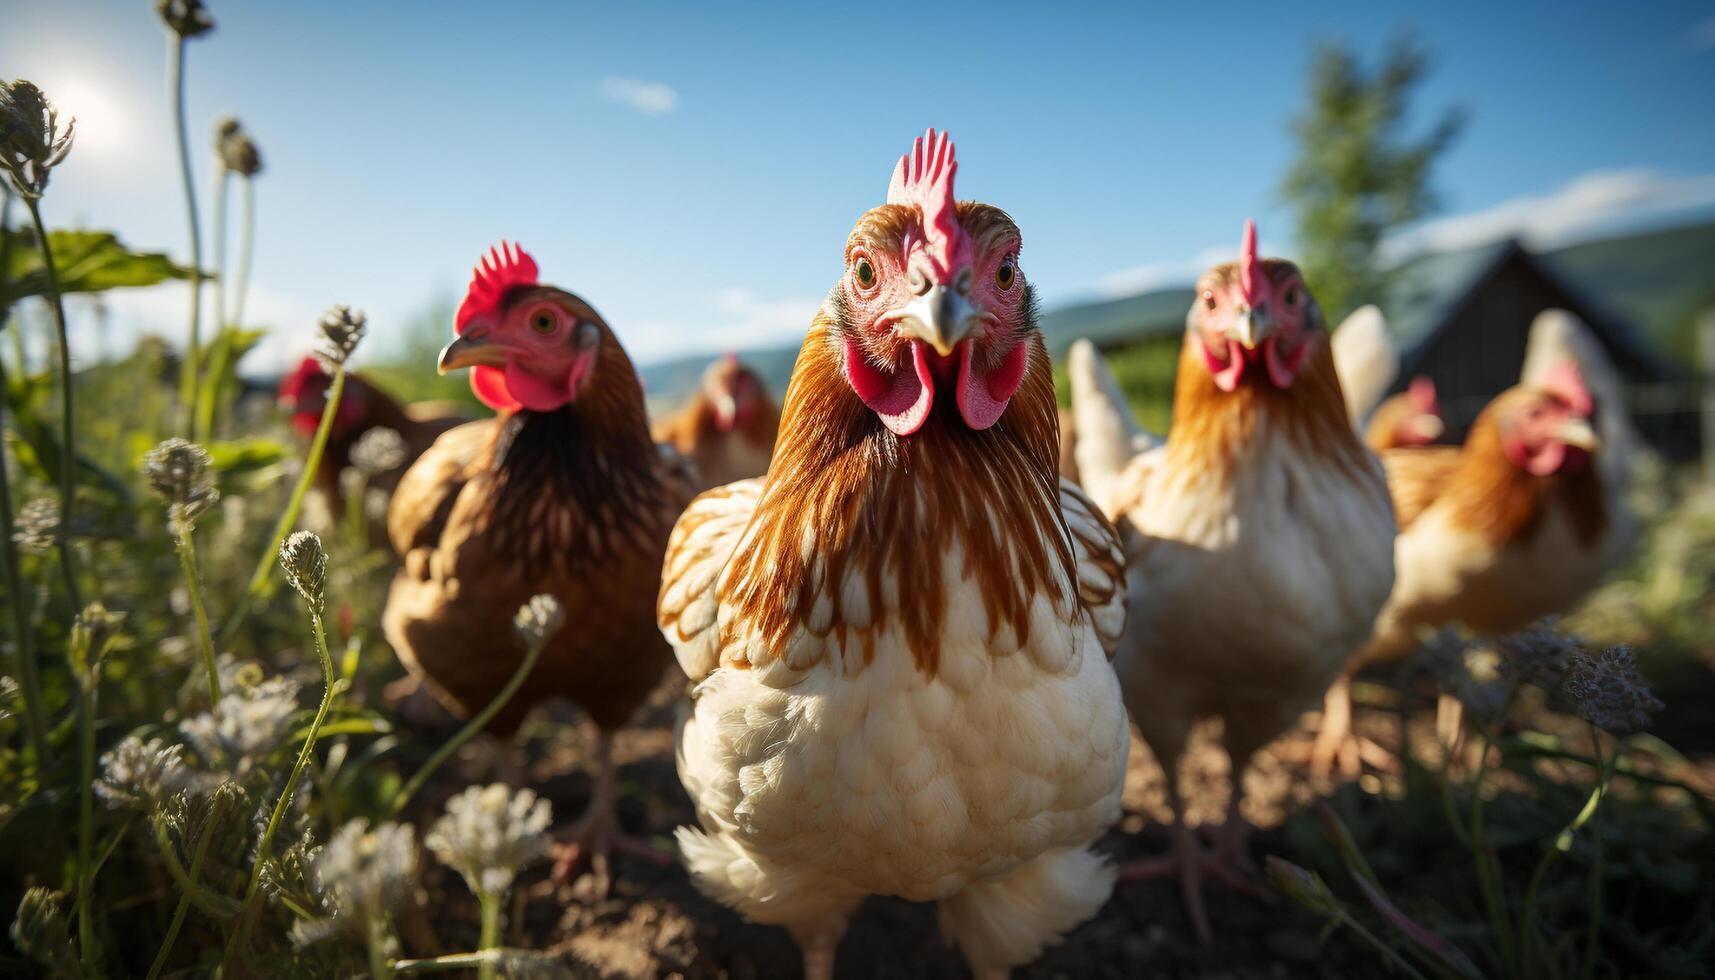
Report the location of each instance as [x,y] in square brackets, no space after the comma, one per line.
[596,836]
[1189,862]
[1337,744]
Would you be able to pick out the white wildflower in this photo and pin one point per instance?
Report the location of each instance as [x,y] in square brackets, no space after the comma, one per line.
[379,450]
[138,775]
[245,726]
[488,833]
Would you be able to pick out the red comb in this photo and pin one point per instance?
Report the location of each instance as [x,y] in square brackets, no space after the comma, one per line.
[1566,381]
[1422,395]
[292,385]
[505,267]
[924,177]
[1252,282]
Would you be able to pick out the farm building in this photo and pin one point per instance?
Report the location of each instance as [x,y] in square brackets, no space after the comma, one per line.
[1463,319]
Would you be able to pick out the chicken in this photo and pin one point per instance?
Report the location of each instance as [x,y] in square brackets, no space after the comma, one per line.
[1410,418]
[363,409]
[727,428]
[899,637]
[1259,537]
[1518,523]
[562,493]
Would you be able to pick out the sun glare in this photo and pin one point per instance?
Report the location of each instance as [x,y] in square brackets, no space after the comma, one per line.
[100,121]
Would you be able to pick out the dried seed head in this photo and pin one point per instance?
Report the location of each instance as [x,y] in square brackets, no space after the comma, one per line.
[31,140]
[245,726]
[306,566]
[342,328]
[538,620]
[91,632]
[488,833]
[186,18]
[235,149]
[379,450]
[178,471]
[37,526]
[1606,690]
[1302,886]
[138,775]
[43,934]
[1539,656]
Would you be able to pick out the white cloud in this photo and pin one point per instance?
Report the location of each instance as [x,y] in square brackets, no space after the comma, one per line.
[1585,206]
[1162,275]
[740,320]
[1702,36]
[649,98]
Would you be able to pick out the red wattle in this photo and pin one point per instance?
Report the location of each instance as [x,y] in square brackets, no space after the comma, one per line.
[1226,373]
[982,398]
[489,385]
[901,397]
[1283,370]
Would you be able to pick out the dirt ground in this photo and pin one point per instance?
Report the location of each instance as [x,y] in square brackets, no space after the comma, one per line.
[655,924]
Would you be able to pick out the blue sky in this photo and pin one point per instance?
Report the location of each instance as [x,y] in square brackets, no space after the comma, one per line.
[693,169]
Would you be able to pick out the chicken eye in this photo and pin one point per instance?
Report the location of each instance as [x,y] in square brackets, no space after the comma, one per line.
[1208,299]
[543,321]
[1007,272]
[865,272]
[1292,296]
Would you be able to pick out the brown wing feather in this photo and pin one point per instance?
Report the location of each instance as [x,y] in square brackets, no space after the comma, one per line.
[1417,477]
[427,491]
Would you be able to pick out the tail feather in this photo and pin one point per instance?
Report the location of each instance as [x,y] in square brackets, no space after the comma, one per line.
[1108,435]
[1366,360]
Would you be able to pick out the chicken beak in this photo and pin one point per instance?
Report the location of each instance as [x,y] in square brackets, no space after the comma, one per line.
[1252,328]
[940,316]
[1428,427]
[726,407]
[1577,432]
[473,349]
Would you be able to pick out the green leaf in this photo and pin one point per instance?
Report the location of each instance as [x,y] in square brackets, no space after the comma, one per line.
[87,262]
[235,456]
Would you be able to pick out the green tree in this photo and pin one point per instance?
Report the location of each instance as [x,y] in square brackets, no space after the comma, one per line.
[1358,175]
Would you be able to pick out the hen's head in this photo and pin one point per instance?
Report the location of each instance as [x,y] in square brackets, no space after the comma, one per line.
[1412,418]
[1544,428]
[933,299]
[734,393]
[529,346]
[304,393]
[1255,315]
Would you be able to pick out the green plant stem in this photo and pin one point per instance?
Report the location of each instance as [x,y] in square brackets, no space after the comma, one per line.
[376,934]
[246,239]
[476,724]
[68,446]
[193,583]
[318,445]
[29,676]
[262,847]
[490,903]
[184,906]
[86,820]
[201,897]
[1493,901]
[448,963]
[1563,843]
[193,351]
[1593,927]
[1388,952]
[208,385]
